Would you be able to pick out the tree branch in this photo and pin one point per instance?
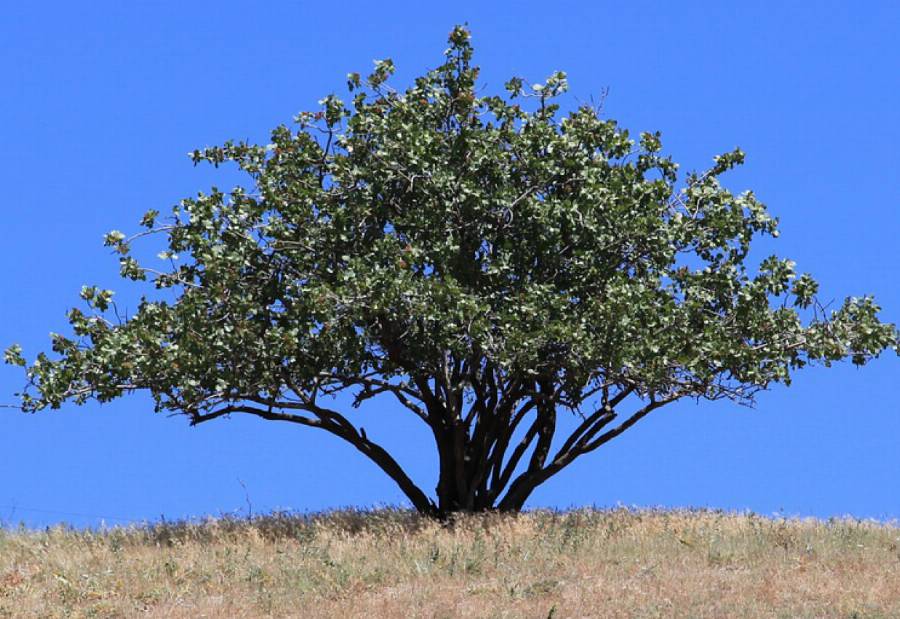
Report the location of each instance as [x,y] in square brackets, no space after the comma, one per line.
[336,424]
[596,421]
[525,484]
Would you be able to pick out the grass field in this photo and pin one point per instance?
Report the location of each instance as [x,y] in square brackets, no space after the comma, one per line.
[618,563]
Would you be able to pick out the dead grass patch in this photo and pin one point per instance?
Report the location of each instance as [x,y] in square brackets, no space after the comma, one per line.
[392,563]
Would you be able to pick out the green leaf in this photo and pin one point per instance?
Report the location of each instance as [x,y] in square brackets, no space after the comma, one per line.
[13,356]
[149,218]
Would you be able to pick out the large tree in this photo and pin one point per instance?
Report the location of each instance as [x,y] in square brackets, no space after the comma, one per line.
[485,261]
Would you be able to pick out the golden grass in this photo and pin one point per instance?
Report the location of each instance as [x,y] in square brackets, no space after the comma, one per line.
[390,563]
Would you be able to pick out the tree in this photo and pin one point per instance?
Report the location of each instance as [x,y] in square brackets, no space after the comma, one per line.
[483,260]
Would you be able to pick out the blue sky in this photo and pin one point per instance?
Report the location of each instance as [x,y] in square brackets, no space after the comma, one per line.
[102,101]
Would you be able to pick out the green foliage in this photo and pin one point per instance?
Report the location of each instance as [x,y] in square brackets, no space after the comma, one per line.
[437,234]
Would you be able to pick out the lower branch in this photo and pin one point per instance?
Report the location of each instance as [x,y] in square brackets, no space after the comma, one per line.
[524,485]
[336,424]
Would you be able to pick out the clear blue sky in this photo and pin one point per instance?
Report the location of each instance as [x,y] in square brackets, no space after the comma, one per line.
[102,101]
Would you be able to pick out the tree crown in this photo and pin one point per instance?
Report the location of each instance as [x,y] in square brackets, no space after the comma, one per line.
[417,224]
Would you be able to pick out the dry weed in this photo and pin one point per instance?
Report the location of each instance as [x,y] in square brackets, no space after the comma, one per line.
[391,563]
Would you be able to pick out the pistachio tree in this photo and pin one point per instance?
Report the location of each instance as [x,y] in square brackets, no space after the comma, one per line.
[486,262]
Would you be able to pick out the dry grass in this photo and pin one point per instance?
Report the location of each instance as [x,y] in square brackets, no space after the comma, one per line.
[617,563]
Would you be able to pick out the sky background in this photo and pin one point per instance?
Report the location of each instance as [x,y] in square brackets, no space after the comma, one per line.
[102,101]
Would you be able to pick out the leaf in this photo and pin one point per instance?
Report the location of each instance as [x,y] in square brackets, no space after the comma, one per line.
[13,356]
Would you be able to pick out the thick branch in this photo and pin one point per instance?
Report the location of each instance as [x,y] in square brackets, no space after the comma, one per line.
[596,421]
[336,424]
[493,421]
[519,451]
[525,484]
[611,434]
[547,418]
[501,474]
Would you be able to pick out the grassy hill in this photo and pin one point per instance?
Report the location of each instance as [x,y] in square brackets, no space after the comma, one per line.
[389,563]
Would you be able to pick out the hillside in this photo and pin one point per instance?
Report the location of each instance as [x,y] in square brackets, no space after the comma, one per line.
[388,563]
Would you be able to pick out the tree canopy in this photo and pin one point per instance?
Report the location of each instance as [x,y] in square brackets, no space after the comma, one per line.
[486,261]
